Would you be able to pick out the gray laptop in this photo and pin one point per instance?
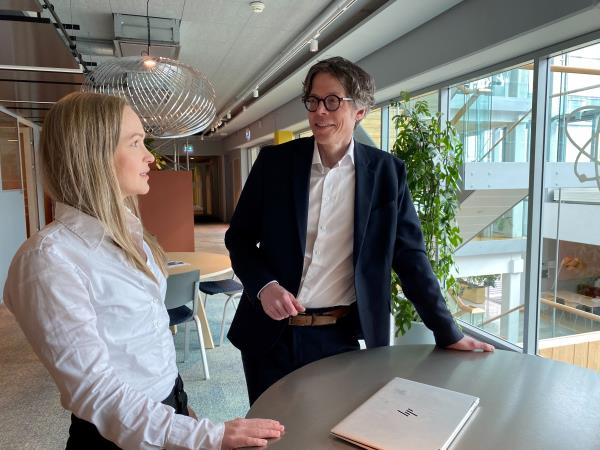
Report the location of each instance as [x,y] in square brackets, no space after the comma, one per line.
[404,415]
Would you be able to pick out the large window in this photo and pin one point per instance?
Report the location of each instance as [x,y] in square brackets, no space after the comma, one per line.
[570,276]
[493,117]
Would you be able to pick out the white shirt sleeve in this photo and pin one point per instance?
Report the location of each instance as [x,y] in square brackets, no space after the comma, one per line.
[263,288]
[50,299]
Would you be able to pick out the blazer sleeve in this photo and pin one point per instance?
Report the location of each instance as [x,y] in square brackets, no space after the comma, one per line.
[242,239]
[410,262]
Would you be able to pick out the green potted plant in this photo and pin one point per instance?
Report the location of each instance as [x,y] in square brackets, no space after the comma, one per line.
[432,153]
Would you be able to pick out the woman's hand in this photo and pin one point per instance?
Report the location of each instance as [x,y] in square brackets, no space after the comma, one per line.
[250,433]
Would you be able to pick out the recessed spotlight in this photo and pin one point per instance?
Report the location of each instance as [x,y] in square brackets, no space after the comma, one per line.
[314,45]
[257,7]
[255,93]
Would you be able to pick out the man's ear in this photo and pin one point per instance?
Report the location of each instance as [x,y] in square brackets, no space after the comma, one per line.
[360,114]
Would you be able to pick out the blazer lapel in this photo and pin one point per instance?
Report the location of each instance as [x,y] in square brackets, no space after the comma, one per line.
[301,180]
[363,196]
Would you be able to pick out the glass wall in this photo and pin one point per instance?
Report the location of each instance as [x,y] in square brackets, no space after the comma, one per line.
[570,278]
[493,116]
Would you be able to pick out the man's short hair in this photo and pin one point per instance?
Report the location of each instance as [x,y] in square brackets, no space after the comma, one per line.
[358,84]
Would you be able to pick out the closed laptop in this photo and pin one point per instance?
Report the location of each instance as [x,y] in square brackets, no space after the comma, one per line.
[405,414]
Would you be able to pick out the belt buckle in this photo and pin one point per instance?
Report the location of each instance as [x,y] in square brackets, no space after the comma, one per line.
[310,318]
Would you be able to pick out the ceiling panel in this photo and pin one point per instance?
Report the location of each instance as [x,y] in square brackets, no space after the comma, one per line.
[33,44]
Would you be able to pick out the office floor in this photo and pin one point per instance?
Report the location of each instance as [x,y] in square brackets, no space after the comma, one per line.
[30,413]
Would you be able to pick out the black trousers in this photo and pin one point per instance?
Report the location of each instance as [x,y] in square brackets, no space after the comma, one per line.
[84,435]
[297,347]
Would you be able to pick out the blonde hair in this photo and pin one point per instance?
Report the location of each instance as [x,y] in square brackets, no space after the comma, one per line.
[78,143]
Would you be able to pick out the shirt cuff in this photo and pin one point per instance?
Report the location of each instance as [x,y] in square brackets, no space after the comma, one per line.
[187,433]
[263,288]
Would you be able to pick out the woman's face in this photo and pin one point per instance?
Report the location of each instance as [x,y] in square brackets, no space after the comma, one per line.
[132,158]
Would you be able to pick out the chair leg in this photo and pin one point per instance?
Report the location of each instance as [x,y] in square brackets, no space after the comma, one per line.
[231,299]
[205,298]
[186,341]
[223,321]
[202,349]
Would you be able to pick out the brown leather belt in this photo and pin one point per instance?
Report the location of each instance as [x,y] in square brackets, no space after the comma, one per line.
[318,319]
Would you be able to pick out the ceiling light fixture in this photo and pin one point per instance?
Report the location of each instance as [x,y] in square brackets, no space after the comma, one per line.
[314,45]
[172,99]
[255,93]
[257,7]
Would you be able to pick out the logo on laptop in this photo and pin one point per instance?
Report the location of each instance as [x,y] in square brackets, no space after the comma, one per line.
[408,412]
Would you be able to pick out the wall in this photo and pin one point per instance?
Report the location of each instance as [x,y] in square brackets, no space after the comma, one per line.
[167,210]
[12,229]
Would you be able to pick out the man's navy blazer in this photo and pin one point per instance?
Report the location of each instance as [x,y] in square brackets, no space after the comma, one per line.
[267,238]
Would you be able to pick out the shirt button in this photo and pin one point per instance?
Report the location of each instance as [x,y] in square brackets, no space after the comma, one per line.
[322,228]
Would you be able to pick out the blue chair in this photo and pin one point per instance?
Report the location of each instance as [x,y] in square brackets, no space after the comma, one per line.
[182,289]
[230,287]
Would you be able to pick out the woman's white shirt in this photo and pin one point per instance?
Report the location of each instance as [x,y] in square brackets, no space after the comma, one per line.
[101,328]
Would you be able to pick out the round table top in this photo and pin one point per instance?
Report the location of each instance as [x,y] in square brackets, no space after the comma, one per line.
[526,402]
[210,264]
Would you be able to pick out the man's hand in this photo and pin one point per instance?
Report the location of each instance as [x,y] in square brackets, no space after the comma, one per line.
[468,344]
[278,303]
[250,433]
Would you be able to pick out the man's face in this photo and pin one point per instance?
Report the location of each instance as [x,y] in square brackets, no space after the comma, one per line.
[332,128]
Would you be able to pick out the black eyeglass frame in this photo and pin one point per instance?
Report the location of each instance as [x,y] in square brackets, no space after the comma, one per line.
[324,100]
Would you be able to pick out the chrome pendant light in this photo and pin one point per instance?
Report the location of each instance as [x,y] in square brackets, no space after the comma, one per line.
[172,99]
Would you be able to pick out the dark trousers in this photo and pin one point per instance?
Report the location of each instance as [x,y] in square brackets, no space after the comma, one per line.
[297,347]
[84,435]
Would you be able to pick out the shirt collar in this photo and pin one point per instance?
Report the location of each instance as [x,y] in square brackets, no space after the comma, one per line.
[89,229]
[348,156]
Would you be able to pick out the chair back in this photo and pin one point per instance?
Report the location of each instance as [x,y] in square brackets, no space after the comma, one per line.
[182,288]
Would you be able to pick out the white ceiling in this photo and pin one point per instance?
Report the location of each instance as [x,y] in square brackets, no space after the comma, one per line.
[224,39]
[233,46]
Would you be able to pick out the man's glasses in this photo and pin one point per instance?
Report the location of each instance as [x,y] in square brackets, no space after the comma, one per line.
[331,102]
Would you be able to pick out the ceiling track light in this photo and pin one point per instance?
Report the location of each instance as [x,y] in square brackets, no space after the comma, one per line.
[314,45]
[330,15]
[255,93]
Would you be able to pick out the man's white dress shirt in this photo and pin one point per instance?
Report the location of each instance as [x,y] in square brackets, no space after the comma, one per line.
[101,328]
[328,270]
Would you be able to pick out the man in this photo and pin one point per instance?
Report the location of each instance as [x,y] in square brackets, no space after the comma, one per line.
[318,227]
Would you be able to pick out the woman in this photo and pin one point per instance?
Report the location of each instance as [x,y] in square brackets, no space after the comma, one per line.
[88,291]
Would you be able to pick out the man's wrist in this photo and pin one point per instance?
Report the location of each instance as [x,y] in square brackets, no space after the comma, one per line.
[263,288]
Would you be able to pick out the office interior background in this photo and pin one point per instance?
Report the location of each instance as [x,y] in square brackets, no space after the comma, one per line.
[520,79]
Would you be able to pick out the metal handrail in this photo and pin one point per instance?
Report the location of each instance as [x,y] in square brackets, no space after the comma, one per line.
[552,304]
